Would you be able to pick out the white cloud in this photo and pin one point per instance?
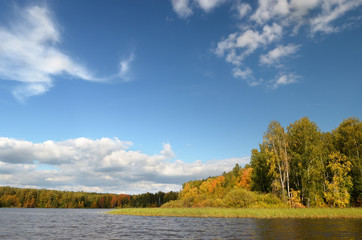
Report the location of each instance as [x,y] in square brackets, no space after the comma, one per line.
[273,21]
[332,10]
[267,33]
[247,42]
[242,9]
[283,79]
[59,179]
[182,8]
[270,8]
[124,67]
[167,151]
[301,7]
[277,53]
[49,152]
[297,12]
[208,5]
[102,165]
[30,53]
[246,75]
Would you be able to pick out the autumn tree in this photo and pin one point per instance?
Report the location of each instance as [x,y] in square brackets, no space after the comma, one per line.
[340,182]
[244,178]
[276,142]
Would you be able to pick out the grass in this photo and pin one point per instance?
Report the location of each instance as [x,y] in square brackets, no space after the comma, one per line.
[244,212]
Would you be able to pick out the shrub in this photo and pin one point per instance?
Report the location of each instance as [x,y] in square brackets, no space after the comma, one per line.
[173,204]
[240,198]
[269,199]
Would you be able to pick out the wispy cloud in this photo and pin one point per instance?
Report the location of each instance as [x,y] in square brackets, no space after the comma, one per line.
[274,56]
[124,67]
[30,53]
[247,75]
[283,79]
[184,8]
[208,5]
[103,165]
[242,9]
[268,9]
[239,45]
[272,23]
[331,10]
[266,31]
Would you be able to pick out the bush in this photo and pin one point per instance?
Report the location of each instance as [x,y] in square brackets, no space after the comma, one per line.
[218,203]
[173,204]
[269,199]
[240,198]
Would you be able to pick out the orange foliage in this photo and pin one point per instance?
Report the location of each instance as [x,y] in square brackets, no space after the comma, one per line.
[244,178]
[212,184]
[217,182]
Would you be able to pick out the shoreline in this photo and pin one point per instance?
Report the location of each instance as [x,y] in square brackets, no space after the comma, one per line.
[243,212]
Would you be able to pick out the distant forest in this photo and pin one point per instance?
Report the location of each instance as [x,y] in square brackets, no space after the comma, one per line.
[33,198]
[299,166]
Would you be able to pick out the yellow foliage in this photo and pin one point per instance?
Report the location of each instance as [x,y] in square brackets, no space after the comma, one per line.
[337,189]
[294,200]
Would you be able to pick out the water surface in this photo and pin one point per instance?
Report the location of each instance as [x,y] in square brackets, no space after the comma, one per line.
[24,223]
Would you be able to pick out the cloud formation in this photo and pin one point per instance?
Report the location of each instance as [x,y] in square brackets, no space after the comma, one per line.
[274,56]
[239,45]
[124,67]
[274,30]
[242,9]
[30,54]
[273,22]
[102,165]
[283,79]
[184,8]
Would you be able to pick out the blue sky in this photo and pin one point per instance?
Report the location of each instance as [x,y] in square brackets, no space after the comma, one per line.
[162,92]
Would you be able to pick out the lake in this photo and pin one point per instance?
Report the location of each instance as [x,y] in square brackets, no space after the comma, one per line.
[25,223]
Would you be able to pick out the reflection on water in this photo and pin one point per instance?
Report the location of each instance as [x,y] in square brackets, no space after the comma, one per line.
[309,228]
[94,224]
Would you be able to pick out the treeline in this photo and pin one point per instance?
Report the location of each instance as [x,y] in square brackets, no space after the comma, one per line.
[299,166]
[34,198]
[305,166]
[151,199]
[231,189]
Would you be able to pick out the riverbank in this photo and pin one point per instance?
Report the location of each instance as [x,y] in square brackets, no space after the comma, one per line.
[243,212]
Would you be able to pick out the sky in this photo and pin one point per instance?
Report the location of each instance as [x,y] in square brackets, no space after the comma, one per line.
[140,96]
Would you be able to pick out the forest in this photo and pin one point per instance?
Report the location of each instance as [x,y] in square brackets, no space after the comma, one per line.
[298,166]
[34,198]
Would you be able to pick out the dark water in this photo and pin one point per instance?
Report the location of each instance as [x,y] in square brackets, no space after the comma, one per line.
[24,223]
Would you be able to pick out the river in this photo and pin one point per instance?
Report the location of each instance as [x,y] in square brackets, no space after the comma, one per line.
[24,223]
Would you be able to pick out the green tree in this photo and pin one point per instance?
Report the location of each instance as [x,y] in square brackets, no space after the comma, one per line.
[306,150]
[348,140]
[261,179]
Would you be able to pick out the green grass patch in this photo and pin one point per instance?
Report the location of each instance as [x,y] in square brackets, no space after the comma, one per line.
[244,212]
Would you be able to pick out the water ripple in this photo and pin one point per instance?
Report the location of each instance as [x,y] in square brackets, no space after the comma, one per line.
[94,224]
